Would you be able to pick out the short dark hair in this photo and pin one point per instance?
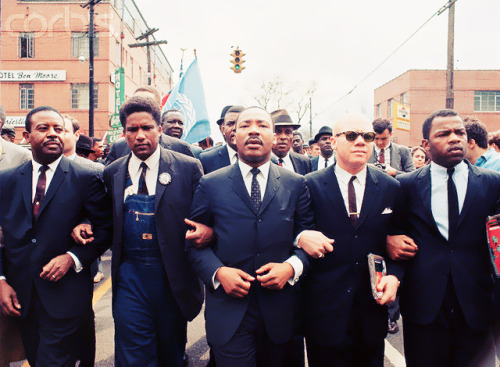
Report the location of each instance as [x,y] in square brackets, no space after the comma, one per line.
[252,107]
[95,140]
[152,90]
[426,127]
[476,130]
[74,122]
[414,149]
[299,134]
[237,109]
[495,138]
[380,125]
[168,111]
[27,121]
[139,104]
[9,131]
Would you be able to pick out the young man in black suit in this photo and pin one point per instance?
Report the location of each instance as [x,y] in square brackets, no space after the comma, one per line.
[342,322]
[45,278]
[446,293]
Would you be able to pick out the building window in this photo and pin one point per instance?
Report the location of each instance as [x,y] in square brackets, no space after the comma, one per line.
[487,101]
[80,44]
[403,98]
[26,96]
[80,96]
[26,45]
[378,110]
[390,104]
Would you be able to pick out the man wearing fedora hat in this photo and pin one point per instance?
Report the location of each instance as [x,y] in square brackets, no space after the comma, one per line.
[287,158]
[326,157]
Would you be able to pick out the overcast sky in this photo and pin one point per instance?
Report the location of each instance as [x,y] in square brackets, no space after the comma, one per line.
[334,44]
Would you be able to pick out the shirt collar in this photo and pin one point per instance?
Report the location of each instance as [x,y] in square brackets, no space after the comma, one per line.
[231,151]
[52,166]
[72,157]
[152,161]
[460,169]
[377,149]
[245,168]
[344,176]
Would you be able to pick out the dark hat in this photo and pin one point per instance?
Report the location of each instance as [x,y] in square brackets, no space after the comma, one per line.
[9,131]
[312,141]
[282,118]
[85,144]
[325,130]
[223,113]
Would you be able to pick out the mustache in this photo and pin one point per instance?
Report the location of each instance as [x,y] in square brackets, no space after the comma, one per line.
[52,140]
[455,147]
[254,138]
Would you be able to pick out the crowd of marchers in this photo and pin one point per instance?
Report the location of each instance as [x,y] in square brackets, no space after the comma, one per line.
[271,233]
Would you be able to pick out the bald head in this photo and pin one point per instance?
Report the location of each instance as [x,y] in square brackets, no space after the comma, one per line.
[352,121]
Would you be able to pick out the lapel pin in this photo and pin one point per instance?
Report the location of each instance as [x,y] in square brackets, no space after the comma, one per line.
[165,178]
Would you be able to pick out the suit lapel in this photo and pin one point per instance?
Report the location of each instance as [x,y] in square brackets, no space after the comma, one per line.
[370,195]
[332,191]
[27,186]
[395,157]
[239,188]
[57,180]
[295,163]
[119,179]
[164,143]
[224,155]
[423,187]
[164,167]
[473,187]
[271,188]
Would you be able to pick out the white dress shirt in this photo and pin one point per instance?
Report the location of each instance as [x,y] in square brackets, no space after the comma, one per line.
[439,192]
[134,170]
[387,154]
[287,163]
[233,154]
[321,161]
[343,178]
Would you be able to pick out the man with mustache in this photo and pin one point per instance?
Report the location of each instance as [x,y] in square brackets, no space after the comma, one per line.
[45,280]
[173,126]
[446,292]
[326,156]
[256,209]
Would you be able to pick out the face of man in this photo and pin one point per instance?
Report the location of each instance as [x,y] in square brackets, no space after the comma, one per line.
[382,140]
[447,144]
[70,138]
[8,137]
[254,137]
[228,128]
[315,150]
[325,145]
[297,144]
[99,149]
[46,136]
[284,136]
[352,156]
[173,124]
[142,134]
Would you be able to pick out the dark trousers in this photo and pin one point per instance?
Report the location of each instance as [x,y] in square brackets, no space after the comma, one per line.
[150,330]
[448,341]
[48,341]
[86,354]
[250,346]
[393,309]
[354,351]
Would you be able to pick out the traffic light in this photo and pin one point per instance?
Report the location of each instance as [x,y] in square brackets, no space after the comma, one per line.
[237,61]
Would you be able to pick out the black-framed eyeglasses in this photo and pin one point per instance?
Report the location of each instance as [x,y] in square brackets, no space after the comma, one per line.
[353,135]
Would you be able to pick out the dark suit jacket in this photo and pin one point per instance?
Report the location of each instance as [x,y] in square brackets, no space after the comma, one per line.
[172,205]
[120,148]
[214,159]
[247,240]
[301,164]
[465,257]
[401,159]
[334,281]
[75,193]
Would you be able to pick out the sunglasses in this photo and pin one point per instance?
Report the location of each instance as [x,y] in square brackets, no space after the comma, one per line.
[353,135]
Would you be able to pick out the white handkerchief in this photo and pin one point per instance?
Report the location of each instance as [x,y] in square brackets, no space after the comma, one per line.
[387,211]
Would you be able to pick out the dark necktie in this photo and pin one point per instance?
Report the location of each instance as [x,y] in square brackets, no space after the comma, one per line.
[351,198]
[40,190]
[280,162]
[326,162]
[255,190]
[381,156]
[452,204]
[143,188]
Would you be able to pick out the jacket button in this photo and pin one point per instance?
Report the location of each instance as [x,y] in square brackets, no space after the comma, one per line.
[33,240]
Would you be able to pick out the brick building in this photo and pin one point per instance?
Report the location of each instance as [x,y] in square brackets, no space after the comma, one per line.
[477,93]
[44,58]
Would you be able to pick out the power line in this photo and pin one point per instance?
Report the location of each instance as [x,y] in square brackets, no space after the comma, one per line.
[439,12]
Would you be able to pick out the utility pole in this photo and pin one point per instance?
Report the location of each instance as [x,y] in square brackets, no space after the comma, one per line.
[450,97]
[91,4]
[147,44]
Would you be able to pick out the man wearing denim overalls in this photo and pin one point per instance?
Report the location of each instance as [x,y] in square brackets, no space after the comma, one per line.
[155,291]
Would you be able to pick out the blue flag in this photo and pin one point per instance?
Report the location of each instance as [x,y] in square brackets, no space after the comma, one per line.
[188,97]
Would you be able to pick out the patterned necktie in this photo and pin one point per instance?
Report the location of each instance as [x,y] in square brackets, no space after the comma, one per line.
[326,162]
[452,204]
[143,188]
[280,162]
[381,156]
[40,190]
[351,198]
[255,190]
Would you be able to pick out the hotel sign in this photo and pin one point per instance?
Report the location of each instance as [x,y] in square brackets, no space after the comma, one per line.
[32,75]
[401,115]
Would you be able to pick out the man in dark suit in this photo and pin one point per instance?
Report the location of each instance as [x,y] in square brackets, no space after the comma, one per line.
[446,293]
[45,276]
[342,322]
[173,125]
[256,209]
[287,158]
[223,155]
[155,291]
[393,158]
[326,157]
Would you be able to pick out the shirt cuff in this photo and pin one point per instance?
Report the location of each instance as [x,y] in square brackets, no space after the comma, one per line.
[215,281]
[296,242]
[3,278]
[298,268]
[78,265]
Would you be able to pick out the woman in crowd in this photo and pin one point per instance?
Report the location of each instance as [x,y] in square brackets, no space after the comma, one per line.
[419,156]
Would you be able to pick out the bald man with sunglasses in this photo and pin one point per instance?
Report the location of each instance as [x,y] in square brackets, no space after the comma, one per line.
[342,322]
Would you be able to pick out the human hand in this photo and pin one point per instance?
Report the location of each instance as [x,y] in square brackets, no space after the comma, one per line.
[235,282]
[389,285]
[9,305]
[390,171]
[57,268]
[401,247]
[201,235]
[82,234]
[315,243]
[275,275]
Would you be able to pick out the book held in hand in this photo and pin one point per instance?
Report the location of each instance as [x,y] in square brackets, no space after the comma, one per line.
[493,233]
[377,269]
